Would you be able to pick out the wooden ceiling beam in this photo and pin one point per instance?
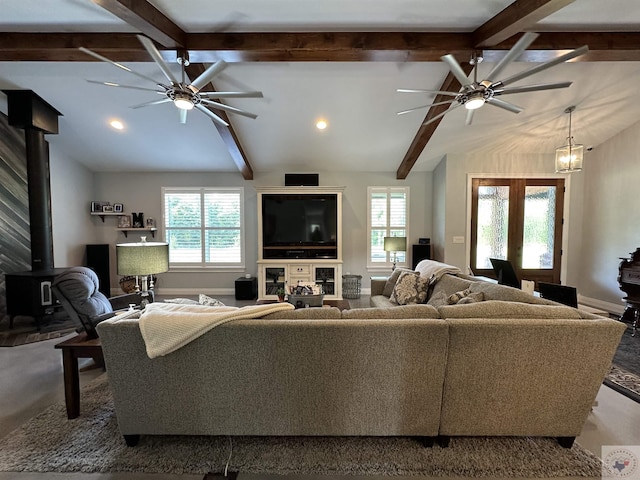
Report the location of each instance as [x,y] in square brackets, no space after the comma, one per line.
[228,134]
[147,19]
[291,47]
[518,17]
[425,132]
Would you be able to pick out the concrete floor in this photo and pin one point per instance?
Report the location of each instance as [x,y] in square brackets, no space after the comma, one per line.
[31,380]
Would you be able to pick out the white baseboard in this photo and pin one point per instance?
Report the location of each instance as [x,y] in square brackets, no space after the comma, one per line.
[602,305]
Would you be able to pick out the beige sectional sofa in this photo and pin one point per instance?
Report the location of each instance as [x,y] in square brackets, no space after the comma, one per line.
[486,368]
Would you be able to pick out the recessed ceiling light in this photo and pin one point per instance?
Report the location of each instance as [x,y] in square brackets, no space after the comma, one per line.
[117,124]
[321,124]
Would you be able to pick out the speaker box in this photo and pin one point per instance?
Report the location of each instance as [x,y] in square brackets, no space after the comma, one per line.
[98,261]
[420,252]
[301,179]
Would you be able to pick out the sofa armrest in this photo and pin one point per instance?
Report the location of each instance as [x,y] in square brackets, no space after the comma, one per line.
[377,285]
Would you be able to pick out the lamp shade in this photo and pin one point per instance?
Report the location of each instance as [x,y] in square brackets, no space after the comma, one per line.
[569,157]
[143,258]
[395,244]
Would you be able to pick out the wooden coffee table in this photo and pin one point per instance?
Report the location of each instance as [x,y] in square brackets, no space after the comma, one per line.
[341,304]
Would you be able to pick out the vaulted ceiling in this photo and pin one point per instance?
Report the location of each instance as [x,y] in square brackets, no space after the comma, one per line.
[341,61]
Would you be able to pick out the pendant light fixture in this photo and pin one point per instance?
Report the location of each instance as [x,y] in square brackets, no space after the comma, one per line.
[569,157]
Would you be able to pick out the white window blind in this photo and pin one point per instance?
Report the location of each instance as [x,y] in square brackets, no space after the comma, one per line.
[388,211]
[204,226]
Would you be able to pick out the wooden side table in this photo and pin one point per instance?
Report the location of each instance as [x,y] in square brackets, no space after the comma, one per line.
[77,347]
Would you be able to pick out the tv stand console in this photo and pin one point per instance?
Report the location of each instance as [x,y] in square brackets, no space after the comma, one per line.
[299,260]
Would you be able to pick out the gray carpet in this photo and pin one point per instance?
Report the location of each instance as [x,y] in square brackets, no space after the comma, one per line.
[92,443]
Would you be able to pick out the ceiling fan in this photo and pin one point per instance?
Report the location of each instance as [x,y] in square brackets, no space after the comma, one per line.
[475,94]
[185,96]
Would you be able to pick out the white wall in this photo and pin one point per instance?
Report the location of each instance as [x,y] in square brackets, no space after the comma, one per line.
[612,214]
[71,192]
[141,192]
[439,210]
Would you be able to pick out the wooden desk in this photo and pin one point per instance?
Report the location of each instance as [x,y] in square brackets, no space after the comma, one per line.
[77,347]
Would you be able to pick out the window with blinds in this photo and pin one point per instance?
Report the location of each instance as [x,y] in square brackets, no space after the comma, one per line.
[388,210]
[204,226]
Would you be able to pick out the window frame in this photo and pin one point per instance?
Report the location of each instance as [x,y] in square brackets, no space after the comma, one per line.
[203,265]
[388,264]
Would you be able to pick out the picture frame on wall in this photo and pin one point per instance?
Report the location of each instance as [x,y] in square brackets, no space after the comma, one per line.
[118,208]
[96,207]
[124,221]
[107,209]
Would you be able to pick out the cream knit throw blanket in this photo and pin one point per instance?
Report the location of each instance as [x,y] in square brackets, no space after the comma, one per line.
[167,327]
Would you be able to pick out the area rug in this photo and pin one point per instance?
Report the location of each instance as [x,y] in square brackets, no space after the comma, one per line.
[92,443]
[624,374]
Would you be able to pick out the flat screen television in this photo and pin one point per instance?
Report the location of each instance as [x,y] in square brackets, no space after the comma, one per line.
[300,225]
[505,272]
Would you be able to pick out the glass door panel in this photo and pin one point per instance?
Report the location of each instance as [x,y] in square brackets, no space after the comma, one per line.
[539,222]
[492,224]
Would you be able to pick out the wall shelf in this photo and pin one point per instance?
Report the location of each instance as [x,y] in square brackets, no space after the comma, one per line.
[126,230]
[107,214]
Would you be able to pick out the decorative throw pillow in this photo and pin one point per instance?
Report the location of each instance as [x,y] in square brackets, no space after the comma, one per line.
[471,298]
[208,301]
[181,301]
[409,289]
[393,279]
[456,297]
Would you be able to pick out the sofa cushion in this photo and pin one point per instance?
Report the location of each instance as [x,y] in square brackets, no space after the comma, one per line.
[502,309]
[312,313]
[380,301]
[398,311]
[409,289]
[391,281]
[438,299]
[493,291]
[450,284]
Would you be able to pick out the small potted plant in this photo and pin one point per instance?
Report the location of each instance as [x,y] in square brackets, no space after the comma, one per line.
[281,293]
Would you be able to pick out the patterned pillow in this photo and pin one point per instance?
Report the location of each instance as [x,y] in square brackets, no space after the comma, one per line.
[409,289]
[464,296]
[391,281]
[208,301]
[181,301]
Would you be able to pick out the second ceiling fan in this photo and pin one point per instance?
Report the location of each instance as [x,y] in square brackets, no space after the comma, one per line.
[185,96]
[474,94]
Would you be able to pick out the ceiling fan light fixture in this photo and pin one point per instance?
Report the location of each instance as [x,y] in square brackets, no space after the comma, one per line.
[569,157]
[475,101]
[183,102]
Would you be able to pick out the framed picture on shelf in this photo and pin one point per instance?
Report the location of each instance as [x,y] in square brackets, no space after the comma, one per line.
[107,209]
[118,208]
[96,207]
[124,221]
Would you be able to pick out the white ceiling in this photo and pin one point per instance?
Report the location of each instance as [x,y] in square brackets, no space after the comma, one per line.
[358,99]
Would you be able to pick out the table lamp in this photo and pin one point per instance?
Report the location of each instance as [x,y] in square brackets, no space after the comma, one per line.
[142,259]
[395,245]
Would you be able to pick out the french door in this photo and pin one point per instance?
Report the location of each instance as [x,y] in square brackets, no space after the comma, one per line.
[519,220]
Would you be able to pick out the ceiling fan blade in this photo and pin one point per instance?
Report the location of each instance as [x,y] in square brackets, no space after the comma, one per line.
[456,69]
[431,120]
[211,115]
[114,84]
[469,118]
[155,54]
[119,65]
[520,46]
[496,102]
[437,92]
[206,76]
[229,108]
[153,102]
[231,94]
[424,106]
[532,88]
[183,115]
[539,68]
